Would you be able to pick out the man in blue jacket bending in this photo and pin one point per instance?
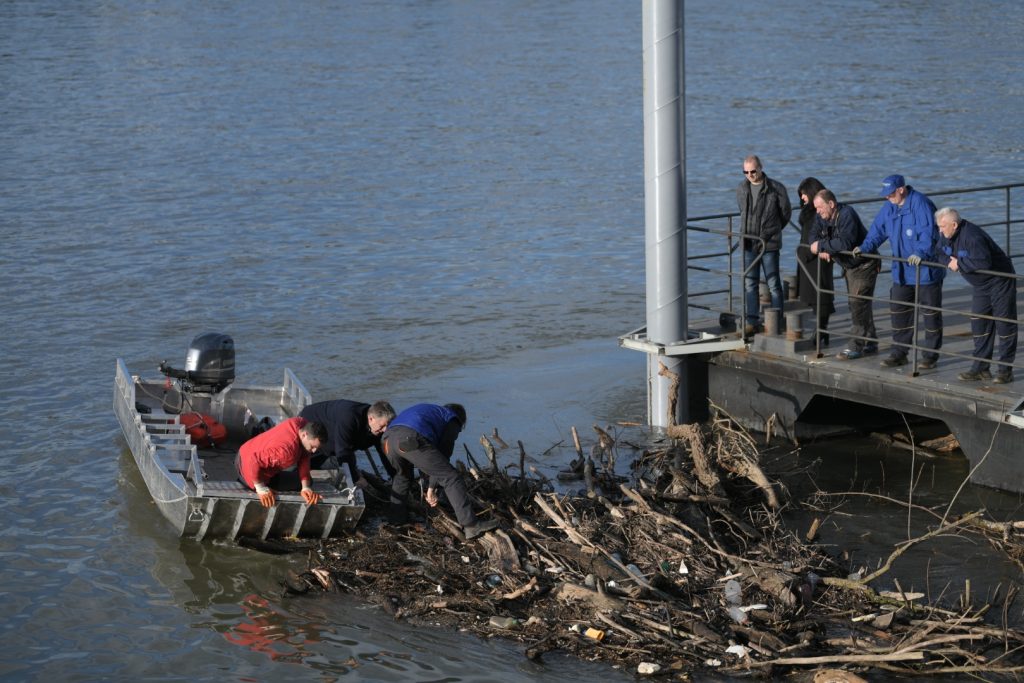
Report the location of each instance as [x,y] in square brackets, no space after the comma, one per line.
[423,437]
[907,221]
[968,249]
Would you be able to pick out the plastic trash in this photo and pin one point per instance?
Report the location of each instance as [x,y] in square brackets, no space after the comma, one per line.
[683,569]
[504,622]
[737,614]
[594,634]
[493,580]
[750,608]
[648,668]
[737,650]
[589,581]
[733,592]
[634,570]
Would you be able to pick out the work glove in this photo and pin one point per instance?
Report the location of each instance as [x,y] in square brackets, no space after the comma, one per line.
[856,251]
[914,260]
[310,496]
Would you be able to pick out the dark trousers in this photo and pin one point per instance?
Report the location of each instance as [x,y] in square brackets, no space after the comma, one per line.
[406,449]
[285,480]
[903,319]
[860,281]
[997,298]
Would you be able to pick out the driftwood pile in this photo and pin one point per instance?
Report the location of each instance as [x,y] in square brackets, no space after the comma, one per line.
[684,565]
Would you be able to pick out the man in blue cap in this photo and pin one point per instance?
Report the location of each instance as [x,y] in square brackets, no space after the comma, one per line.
[907,221]
[423,436]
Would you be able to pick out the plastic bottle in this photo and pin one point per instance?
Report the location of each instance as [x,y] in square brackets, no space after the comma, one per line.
[733,592]
[736,614]
[504,622]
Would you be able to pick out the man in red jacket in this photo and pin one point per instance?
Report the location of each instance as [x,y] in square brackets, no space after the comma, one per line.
[263,459]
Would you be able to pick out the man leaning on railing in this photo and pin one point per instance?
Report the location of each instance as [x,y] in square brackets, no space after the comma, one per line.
[970,251]
[907,221]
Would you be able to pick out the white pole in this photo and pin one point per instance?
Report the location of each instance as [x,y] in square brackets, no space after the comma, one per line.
[665,204]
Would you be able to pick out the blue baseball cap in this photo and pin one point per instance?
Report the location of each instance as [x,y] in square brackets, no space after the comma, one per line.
[891,184]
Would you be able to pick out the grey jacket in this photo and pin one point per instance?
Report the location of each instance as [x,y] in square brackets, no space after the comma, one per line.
[768,218]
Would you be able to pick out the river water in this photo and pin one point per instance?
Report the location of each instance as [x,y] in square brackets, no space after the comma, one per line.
[411,200]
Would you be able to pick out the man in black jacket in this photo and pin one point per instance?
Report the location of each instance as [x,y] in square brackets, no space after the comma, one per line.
[351,426]
[764,212]
[969,250]
[839,229]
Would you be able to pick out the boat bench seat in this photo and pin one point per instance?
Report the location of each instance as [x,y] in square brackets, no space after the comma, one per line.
[227,489]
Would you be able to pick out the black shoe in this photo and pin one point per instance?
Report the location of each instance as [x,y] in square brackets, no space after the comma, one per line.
[1003,377]
[474,530]
[894,361]
[927,364]
[749,330]
[870,349]
[975,375]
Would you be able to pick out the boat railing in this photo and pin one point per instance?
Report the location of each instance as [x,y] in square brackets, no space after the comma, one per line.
[294,395]
[729,303]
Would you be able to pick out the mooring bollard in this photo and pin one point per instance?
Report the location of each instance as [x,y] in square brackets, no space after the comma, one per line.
[789,287]
[795,325]
[772,321]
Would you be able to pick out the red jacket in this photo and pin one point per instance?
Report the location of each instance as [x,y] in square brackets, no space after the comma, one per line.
[276,449]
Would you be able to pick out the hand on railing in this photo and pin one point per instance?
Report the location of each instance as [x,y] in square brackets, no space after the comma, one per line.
[914,260]
[856,251]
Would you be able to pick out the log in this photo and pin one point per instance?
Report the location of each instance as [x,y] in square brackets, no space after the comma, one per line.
[500,551]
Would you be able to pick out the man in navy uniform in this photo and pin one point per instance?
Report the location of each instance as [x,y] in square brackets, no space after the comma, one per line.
[968,250]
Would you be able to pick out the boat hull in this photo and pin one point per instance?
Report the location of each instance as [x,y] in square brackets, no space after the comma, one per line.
[196,489]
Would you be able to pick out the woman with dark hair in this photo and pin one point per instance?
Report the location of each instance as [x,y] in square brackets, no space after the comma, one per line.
[813,273]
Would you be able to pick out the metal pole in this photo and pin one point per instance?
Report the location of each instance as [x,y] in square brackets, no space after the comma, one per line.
[665,205]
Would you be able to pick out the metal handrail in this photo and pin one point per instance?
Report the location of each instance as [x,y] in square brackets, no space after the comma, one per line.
[734,240]
[1006,188]
[917,306]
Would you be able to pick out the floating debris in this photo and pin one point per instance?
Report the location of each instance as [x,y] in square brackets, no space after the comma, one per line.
[684,565]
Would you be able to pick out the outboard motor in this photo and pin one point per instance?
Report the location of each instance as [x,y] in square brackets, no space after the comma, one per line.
[209,365]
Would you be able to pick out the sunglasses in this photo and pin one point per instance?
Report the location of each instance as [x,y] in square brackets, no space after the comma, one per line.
[754,172]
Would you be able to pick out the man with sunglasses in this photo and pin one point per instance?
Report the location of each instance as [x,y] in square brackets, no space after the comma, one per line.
[764,211]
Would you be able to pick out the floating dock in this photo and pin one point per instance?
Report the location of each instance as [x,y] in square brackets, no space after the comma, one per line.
[786,383]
